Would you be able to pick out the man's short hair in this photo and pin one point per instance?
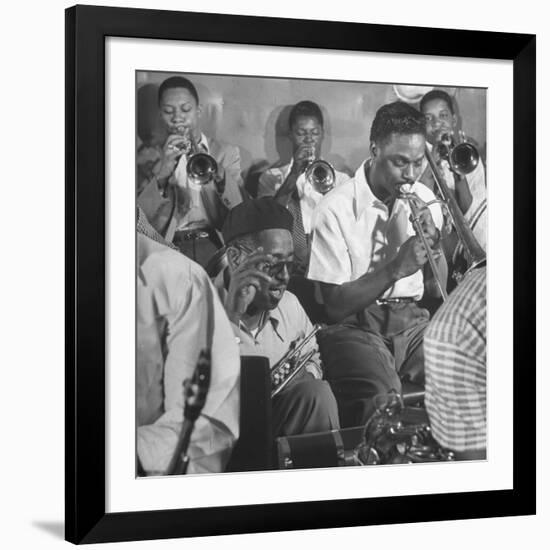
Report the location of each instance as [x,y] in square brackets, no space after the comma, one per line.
[437,94]
[305,108]
[396,118]
[178,82]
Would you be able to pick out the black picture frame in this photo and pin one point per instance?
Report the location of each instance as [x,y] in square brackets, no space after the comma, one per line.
[86,30]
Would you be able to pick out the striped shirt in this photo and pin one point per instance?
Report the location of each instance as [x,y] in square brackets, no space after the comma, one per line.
[455,365]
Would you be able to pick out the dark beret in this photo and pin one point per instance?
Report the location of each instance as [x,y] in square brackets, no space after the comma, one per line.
[253,216]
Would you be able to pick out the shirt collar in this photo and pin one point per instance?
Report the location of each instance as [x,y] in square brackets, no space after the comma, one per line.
[363,195]
[273,316]
[203,142]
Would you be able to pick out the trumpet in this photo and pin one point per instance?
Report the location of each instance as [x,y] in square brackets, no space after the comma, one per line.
[201,166]
[415,219]
[291,363]
[320,174]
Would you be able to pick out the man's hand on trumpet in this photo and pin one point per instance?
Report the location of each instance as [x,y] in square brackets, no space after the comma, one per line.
[411,257]
[424,217]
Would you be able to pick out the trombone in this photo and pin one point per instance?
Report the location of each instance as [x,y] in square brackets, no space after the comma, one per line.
[291,363]
[463,158]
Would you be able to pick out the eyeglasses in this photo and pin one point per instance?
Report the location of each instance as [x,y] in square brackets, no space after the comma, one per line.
[274,268]
[277,267]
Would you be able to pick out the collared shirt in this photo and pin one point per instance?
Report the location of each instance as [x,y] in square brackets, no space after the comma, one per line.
[272,179]
[354,233]
[455,345]
[279,328]
[178,314]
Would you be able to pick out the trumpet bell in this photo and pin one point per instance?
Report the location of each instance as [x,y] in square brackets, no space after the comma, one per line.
[321,175]
[464,158]
[202,168]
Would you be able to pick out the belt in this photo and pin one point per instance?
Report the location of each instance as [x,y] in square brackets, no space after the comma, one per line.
[192,234]
[399,300]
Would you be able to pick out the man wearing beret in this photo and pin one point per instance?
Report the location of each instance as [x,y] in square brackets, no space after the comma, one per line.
[266,318]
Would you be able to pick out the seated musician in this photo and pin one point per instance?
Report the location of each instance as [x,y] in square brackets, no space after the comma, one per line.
[266,318]
[178,314]
[173,200]
[288,183]
[455,345]
[470,190]
[370,265]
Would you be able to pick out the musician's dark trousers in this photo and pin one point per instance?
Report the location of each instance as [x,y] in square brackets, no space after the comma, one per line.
[304,406]
[373,356]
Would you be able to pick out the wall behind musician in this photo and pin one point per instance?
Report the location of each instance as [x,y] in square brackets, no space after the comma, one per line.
[252,113]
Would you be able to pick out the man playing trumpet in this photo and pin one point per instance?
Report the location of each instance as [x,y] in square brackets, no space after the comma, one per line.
[174,200]
[266,318]
[291,187]
[370,265]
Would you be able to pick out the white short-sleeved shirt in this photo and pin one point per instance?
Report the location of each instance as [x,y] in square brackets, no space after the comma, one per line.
[271,180]
[354,233]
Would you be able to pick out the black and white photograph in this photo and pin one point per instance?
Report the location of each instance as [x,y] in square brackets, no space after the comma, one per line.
[310,273]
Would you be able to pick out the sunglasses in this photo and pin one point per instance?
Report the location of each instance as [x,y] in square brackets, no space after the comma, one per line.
[272,269]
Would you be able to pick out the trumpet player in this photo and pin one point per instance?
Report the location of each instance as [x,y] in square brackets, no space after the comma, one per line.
[266,318]
[370,263]
[173,200]
[470,189]
[290,186]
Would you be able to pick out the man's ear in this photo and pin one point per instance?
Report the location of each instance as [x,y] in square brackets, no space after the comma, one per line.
[199,109]
[233,257]
[373,150]
[455,121]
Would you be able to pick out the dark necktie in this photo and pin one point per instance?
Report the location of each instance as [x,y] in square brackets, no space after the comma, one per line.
[301,248]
